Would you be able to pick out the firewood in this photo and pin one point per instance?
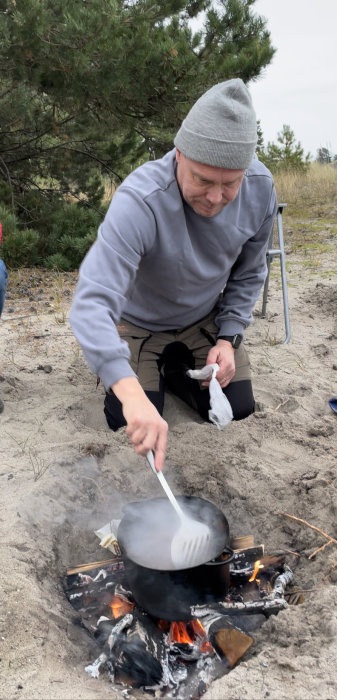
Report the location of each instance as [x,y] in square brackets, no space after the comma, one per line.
[244,542]
[233,644]
[92,565]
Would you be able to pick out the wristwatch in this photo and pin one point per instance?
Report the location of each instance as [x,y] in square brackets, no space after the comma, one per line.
[235,340]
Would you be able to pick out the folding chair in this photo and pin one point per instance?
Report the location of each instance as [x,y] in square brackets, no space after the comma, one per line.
[271,254]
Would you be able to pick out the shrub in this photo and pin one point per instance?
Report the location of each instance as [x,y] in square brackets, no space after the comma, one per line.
[20,248]
[62,233]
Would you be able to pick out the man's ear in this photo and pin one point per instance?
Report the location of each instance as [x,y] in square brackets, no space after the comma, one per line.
[178,155]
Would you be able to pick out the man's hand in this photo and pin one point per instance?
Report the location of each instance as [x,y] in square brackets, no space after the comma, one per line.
[146,429]
[223,354]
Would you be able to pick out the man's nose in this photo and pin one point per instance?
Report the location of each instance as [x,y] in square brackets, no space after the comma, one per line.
[214,194]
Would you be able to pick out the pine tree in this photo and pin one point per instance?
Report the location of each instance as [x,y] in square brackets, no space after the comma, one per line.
[92,88]
[286,154]
[324,156]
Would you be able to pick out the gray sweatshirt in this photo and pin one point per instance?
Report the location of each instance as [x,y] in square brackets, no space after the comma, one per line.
[161,266]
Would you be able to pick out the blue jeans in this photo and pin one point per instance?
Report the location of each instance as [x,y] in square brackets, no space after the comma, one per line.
[3,283]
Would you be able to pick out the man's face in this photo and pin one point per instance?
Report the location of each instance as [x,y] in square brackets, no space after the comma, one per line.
[205,188]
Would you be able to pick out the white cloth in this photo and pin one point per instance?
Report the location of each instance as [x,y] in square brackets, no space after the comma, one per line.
[220,412]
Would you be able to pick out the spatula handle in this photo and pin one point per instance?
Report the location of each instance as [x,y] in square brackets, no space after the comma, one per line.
[164,484]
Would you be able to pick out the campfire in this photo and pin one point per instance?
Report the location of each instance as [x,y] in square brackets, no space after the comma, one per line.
[175,657]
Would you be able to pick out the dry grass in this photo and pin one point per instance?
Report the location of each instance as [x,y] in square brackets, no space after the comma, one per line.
[310,219]
[304,192]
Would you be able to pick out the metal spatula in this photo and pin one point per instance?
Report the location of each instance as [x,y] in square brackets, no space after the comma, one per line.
[191,543]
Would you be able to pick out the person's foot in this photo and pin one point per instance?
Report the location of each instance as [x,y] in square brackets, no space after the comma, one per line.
[2,406]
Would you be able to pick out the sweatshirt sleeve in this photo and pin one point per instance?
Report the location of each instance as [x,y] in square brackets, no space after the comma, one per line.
[106,277]
[246,278]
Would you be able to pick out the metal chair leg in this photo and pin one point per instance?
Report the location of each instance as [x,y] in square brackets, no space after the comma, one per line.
[279,252]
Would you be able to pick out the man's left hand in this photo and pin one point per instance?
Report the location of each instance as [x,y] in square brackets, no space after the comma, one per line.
[222,354]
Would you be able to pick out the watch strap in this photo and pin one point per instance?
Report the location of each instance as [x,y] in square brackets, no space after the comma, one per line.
[235,340]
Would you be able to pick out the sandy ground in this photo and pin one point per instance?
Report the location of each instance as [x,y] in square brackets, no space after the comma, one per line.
[64,474]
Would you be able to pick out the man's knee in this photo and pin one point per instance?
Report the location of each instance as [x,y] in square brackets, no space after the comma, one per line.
[241,398]
[114,412]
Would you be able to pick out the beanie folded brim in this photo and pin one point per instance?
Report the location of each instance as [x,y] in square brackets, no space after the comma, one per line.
[220,129]
[234,155]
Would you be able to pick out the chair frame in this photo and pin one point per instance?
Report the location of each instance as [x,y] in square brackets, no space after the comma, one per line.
[271,254]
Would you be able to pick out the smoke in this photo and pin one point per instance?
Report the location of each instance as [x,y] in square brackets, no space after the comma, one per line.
[147,528]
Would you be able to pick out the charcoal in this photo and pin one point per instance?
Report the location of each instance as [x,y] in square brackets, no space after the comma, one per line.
[135,662]
[103,631]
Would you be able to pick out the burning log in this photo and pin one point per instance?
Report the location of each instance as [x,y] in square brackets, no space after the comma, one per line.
[244,558]
[135,664]
[184,657]
[147,630]
[270,604]
[132,651]
[93,669]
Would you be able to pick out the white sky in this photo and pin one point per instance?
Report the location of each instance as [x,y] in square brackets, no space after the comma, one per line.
[299,87]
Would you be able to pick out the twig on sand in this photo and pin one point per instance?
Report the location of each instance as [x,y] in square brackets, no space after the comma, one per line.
[320,549]
[282,404]
[290,551]
[329,571]
[299,520]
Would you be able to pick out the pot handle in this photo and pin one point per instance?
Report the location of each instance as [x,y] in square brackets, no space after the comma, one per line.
[227,550]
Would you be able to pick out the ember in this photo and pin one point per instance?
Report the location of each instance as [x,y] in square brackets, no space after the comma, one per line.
[177,657]
[191,633]
[120,606]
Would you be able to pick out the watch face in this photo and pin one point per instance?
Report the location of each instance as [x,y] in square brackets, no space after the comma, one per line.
[236,340]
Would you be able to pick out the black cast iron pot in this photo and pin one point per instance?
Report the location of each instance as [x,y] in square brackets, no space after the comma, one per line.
[144,535]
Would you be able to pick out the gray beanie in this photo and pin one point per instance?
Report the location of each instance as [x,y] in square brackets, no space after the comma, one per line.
[220,129]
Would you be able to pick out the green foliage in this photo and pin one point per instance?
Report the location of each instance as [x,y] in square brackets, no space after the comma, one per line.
[62,235]
[89,88]
[92,89]
[325,156]
[58,261]
[285,155]
[260,141]
[8,219]
[19,247]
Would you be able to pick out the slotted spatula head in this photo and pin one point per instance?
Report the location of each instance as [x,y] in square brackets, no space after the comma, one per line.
[190,544]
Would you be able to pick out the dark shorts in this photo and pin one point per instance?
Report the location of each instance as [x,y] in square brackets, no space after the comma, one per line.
[160,359]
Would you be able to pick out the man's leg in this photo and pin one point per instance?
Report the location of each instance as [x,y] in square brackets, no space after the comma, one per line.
[191,352]
[113,407]
[144,363]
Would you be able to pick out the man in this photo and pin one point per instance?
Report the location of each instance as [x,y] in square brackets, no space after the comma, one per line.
[178,264]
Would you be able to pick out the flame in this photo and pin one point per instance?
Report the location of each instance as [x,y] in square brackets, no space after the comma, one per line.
[179,633]
[190,633]
[120,606]
[200,631]
[257,566]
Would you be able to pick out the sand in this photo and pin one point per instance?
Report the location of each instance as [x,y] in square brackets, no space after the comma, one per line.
[64,474]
